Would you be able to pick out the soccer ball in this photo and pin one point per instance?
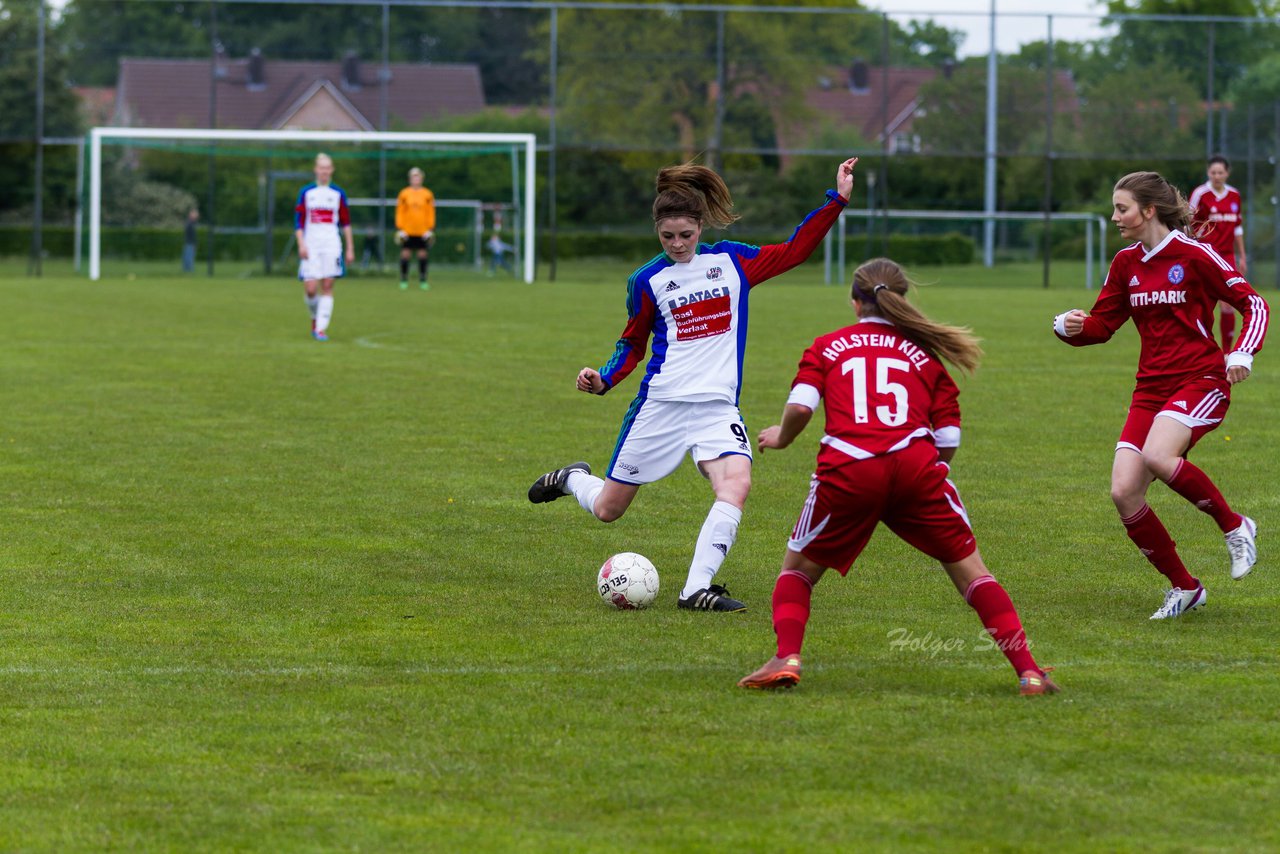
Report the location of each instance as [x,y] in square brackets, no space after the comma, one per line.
[628,581]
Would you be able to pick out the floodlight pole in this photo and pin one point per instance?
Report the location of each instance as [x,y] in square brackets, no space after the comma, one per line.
[989,205]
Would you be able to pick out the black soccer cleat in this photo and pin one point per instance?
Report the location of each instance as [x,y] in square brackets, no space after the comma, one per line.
[713,598]
[550,486]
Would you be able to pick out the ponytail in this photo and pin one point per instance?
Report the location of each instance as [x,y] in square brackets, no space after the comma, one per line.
[693,191]
[881,286]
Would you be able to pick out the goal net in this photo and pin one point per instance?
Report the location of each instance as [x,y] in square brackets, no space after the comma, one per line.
[142,182]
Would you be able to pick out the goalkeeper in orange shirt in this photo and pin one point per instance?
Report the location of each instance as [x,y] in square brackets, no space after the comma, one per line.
[415,227]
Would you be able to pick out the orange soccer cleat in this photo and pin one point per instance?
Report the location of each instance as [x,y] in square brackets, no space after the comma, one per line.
[777,672]
[1033,682]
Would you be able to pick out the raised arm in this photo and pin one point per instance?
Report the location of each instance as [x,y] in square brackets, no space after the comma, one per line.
[761,263]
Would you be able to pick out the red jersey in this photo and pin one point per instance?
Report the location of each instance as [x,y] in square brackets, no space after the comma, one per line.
[1217,220]
[881,391]
[1170,292]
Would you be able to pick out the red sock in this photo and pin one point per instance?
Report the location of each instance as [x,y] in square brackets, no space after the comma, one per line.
[1227,323]
[987,597]
[791,597]
[1194,485]
[1149,535]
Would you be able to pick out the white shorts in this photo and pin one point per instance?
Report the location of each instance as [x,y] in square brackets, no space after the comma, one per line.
[324,262]
[656,434]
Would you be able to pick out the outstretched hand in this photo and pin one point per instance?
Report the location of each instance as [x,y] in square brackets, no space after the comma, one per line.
[589,381]
[769,437]
[844,178]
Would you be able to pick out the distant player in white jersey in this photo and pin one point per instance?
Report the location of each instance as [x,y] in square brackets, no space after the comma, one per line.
[692,300]
[323,224]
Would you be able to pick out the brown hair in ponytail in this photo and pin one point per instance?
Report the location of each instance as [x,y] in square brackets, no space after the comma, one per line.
[695,192]
[1150,188]
[881,286]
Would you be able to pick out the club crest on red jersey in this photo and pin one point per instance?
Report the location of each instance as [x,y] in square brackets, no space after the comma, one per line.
[1176,274]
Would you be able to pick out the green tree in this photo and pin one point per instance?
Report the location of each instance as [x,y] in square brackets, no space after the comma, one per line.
[99,32]
[18,23]
[1138,43]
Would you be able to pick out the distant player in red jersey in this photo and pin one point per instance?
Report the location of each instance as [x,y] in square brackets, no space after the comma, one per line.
[1217,218]
[892,427]
[1168,284]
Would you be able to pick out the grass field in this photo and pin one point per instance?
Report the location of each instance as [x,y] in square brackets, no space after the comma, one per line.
[265,594]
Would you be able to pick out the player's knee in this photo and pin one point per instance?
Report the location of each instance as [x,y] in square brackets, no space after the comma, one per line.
[607,512]
[1160,465]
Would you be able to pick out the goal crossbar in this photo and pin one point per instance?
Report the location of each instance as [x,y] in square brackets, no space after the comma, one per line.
[527,141]
[1094,251]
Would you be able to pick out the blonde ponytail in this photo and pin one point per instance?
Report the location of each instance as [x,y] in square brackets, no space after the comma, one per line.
[881,286]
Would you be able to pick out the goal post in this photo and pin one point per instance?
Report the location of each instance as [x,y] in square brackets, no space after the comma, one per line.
[97,135]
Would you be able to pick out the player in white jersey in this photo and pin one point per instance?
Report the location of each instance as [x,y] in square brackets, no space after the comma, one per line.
[692,300]
[323,224]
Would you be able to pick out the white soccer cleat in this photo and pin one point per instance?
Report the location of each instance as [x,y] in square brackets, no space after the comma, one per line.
[1178,601]
[1242,545]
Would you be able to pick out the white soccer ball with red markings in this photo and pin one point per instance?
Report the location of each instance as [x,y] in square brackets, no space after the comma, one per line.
[628,581]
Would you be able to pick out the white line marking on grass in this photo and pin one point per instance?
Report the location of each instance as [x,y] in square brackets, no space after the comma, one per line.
[371,342]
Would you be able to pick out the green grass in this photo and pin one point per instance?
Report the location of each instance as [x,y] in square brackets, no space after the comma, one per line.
[264,594]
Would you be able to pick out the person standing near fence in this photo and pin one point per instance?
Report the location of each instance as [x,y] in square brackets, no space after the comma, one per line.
[1217,218]
[415,227]
[323,223]
[189,241]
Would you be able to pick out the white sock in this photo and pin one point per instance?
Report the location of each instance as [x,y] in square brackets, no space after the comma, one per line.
[324,311]
[714,541]
[584,487]
[311,301]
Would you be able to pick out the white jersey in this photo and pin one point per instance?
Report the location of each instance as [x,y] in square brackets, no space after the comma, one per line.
[697,313]
[322,213]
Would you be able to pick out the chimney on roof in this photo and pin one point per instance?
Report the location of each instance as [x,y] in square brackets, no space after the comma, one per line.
[859,77]
[219,61]
[351,70]
[948,68]
[257,71]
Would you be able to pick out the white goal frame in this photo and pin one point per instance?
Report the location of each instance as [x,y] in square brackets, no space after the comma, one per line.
[98,134]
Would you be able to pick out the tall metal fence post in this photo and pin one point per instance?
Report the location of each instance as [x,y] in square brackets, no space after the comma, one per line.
[551,153]
[211,218]
[989,183]
[717,140]
[37,225]
[384,84]
[1047,241]
[1208,115]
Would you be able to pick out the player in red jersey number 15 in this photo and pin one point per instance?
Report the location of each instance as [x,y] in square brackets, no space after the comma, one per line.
[892,427]
[1168,284]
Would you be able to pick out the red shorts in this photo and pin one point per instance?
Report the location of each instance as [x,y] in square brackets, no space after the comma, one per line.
[908,490]
[1200,403]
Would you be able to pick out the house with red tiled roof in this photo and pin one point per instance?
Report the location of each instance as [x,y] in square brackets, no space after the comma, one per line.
[257,93]
[884,103]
